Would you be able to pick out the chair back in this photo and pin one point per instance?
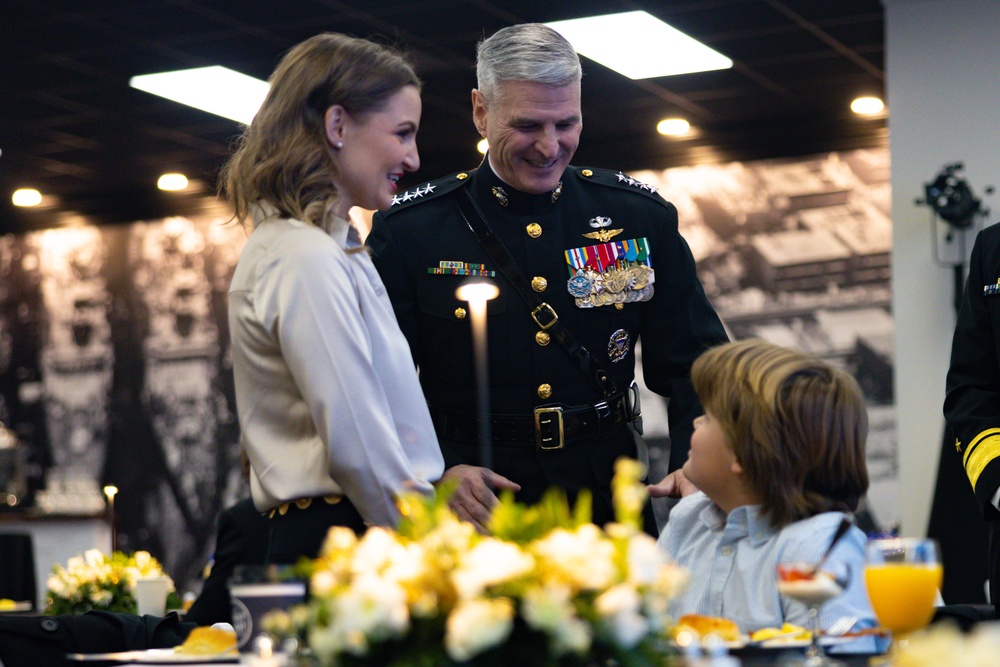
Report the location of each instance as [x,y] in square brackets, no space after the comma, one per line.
[17,568]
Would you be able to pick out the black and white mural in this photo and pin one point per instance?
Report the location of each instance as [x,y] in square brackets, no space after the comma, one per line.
[116,371]
[114,348]
[796,251]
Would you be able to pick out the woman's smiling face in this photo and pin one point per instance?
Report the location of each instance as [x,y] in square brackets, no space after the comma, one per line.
[378,148]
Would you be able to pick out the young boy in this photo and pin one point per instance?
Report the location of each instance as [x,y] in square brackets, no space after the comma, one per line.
[778,460]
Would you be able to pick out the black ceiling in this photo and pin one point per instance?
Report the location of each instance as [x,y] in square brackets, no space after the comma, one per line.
[71,127]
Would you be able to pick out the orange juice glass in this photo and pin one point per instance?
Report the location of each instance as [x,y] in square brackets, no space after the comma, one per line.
[903,576]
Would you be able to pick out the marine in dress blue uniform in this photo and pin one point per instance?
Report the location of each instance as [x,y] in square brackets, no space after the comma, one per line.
[604,252]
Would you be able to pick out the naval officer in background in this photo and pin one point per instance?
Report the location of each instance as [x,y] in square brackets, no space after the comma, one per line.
[588,262]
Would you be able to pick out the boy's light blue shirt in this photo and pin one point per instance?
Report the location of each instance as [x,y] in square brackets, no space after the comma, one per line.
[732,561]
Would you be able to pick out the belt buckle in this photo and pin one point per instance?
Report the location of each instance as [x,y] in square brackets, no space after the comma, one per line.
[550,418]
[544,307]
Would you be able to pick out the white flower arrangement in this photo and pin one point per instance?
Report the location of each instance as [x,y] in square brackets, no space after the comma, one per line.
[95,580]
[944,644]
[547,587]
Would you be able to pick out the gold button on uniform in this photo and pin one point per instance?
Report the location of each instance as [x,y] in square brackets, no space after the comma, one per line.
[462,176]
[542,338]
[544,390]
[587,172]
[460,313]
[534,230]
[539,284]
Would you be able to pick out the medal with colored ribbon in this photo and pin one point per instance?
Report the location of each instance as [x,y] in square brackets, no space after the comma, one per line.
[610,273]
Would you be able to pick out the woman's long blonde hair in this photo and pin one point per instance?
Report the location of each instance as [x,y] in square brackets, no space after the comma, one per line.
[283,156]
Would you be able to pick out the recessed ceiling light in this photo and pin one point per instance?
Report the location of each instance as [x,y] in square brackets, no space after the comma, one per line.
[483,146]
[639,45]
[867,106]
[26,197]
[172,182]
[215,89]
[673,127]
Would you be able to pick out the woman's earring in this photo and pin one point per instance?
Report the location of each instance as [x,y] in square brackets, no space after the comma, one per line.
[340,144]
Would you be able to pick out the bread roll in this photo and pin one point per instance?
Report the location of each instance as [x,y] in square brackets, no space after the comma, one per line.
[208,641]
[702,626]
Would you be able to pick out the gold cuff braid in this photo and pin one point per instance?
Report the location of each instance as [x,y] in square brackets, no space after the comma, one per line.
[983,449]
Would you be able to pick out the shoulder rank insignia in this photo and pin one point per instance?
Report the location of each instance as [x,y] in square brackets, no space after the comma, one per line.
[610,273]
[415,193]
[622,178]
[619,181]
[423,193]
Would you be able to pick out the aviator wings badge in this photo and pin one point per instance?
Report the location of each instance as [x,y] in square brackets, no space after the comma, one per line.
[602,234]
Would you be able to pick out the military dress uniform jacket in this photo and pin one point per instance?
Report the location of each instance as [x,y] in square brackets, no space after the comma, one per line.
[424,251]
[972,398]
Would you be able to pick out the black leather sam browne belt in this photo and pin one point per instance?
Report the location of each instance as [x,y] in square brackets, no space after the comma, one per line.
[549,427]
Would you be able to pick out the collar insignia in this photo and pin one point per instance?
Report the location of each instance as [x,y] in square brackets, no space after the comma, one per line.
[500,195]
[556,192]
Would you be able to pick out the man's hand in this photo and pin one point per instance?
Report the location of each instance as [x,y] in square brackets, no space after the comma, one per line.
[674,485]
[474,496]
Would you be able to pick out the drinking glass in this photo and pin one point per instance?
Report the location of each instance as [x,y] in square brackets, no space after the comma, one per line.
[151,595]
[903,576]
[803,582]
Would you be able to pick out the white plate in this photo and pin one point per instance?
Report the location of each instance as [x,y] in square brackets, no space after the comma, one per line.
[780,643]
[731,645]
[156,656]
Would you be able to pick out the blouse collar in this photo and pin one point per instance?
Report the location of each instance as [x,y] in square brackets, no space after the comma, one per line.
[339,229]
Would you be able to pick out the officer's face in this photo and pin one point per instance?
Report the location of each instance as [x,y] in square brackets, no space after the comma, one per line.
[533,130]
[377,148]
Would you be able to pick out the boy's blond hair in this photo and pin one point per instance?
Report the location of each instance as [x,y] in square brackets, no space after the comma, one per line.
[796,424]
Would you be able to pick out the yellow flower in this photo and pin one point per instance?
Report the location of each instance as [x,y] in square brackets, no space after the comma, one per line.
[437,583]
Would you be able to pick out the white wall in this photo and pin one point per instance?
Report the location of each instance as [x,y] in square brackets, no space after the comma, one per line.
[943,94]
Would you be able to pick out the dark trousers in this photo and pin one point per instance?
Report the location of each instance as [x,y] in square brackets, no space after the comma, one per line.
[299,533]
[584,465]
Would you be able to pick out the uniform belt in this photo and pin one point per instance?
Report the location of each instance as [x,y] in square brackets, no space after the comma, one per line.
[302,503]
[549,427]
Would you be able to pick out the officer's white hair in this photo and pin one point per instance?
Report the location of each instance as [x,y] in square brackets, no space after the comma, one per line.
[525,52]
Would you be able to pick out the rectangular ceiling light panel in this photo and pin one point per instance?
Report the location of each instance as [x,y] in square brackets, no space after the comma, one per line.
[215,89]
[639,45]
